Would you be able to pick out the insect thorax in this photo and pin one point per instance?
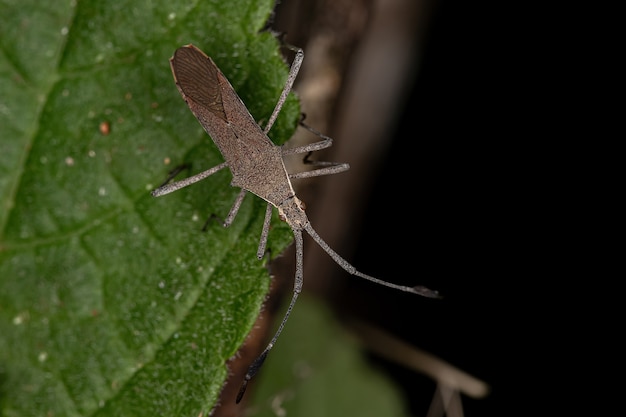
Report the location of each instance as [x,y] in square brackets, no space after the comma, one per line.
[291,210]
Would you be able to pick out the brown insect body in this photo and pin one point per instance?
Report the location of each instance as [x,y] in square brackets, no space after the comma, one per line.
[248,151]
[256,164]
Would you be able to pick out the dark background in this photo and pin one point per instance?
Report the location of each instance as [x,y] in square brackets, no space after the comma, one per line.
[435,201]
[438,201]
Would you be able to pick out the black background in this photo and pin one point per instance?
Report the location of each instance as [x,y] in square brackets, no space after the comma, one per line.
[450,209]
[451,212]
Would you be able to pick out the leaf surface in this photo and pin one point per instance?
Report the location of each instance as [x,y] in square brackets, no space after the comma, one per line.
[316,369]
[112,302]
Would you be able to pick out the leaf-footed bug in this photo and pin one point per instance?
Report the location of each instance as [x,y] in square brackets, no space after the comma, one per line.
[256,165]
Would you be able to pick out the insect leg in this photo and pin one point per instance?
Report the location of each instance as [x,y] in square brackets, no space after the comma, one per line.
[168,188]
[174,172]
[326,142]
[234,209]
[420,290]
[297,288]
[311,147]
[266,230]
[231,217]
[293,72]
[231,214]
[333,169]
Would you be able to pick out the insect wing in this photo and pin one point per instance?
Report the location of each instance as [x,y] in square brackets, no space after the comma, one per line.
[213,100]
[197,79]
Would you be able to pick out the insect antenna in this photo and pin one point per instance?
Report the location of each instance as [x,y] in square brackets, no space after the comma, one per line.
[297,288]
[418,289]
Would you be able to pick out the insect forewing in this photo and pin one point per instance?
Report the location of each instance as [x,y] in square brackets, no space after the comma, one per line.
[213,100]
[252,158]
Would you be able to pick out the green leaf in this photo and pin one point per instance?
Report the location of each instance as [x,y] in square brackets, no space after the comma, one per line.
[317,370]
[112,302]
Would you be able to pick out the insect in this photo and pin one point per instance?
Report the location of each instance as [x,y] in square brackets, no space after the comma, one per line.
[256,165]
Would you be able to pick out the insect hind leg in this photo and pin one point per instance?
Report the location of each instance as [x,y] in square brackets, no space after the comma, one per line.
[291,77]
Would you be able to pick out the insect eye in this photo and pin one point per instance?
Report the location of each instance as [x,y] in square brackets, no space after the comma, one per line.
[281,215]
